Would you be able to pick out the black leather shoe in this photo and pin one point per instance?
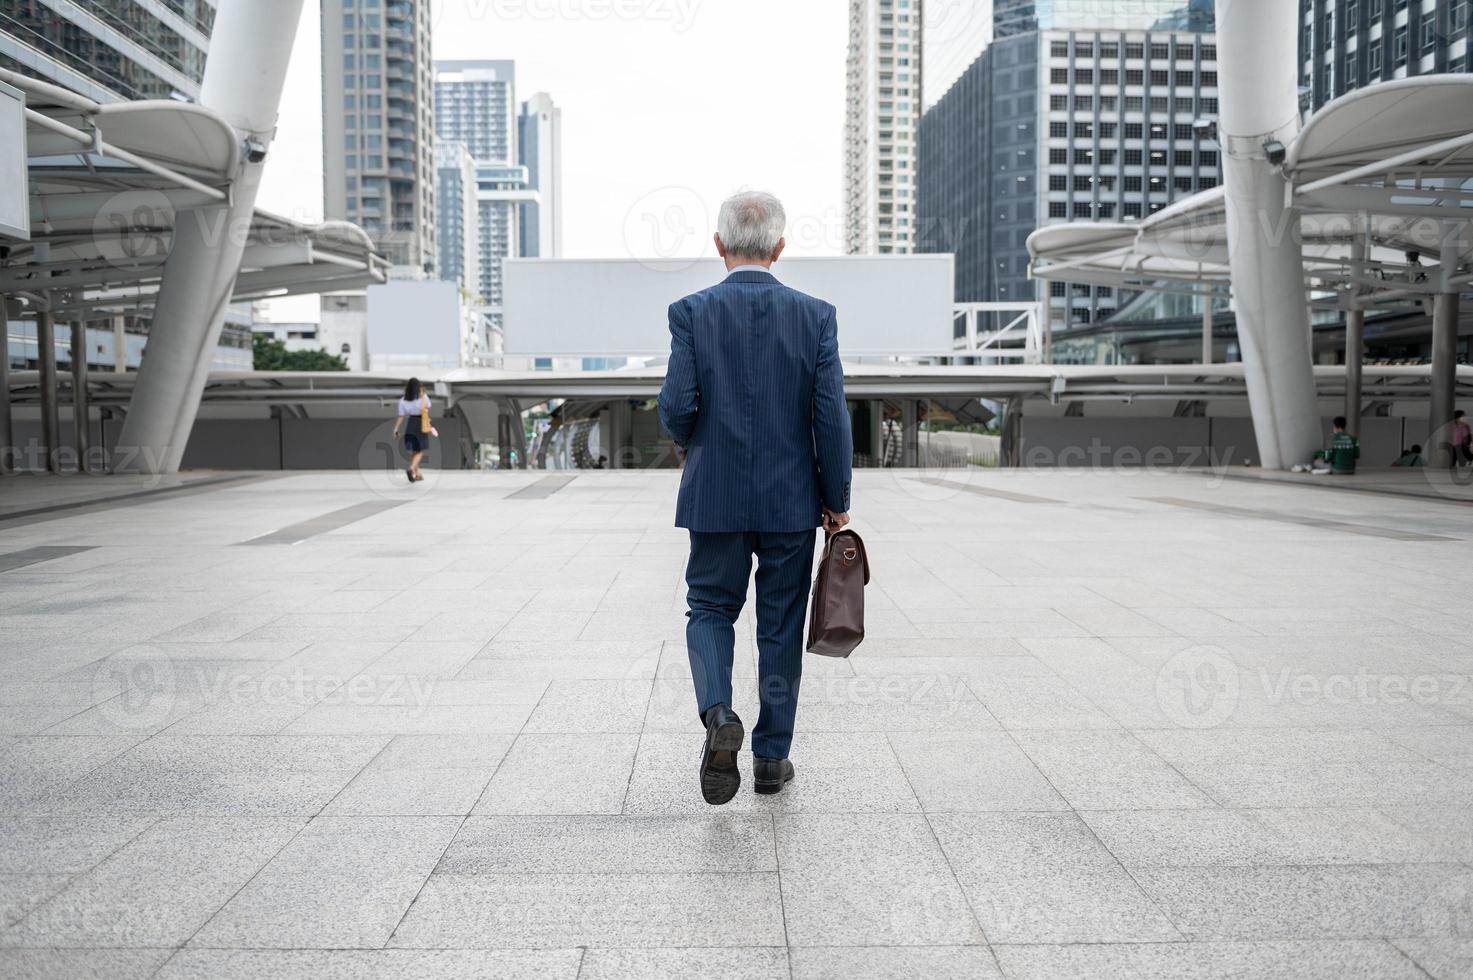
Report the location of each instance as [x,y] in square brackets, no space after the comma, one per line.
[771,775]
[720,779]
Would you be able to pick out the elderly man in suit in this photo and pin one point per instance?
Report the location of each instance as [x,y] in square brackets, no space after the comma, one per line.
[754,394]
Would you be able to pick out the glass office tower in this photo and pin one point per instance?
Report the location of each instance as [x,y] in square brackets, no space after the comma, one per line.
[109,50]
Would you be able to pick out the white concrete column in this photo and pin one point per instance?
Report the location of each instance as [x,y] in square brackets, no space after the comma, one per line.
[1444,380]
[1258,78]
[120,351]
[250,48]
[1207,329]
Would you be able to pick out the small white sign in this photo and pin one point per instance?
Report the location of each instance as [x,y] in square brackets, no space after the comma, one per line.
[15,202]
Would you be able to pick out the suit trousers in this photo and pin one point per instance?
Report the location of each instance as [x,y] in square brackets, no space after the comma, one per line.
[716,579]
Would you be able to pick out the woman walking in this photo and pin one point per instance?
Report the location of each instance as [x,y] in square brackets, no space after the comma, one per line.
[414,418]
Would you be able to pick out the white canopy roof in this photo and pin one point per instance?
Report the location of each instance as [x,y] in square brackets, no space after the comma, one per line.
[107,185]
[1382,168]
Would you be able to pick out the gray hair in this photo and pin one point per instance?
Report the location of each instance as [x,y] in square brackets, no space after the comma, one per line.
[751,224]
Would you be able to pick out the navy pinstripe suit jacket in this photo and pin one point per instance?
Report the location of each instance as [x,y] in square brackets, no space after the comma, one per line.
[755,395]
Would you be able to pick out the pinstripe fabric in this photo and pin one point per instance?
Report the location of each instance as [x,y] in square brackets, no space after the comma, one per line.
[755,395]
[717,579]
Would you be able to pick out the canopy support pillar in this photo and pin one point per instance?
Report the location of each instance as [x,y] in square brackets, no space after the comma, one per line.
[244,76]
[1258,76]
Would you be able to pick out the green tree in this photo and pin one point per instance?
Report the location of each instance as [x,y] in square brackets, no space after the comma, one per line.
[269,354]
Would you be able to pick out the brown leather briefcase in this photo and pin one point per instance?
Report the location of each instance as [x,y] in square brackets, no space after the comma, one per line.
[836,615]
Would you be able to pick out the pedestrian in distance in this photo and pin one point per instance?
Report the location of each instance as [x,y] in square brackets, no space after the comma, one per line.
[414,419]
[1462,440]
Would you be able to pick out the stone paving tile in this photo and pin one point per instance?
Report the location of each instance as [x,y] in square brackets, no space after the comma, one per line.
[156,891]
[20,893]
[81,964]
[612,845]
[961,771]
[759,963]
[565,774]
[878,879]
[592,706]
[63,845]
[675,910]
[1324,960]
[1441,959]
[378,964]
[1046,878]
[1108,770]
[1314,902]
[223,775]
[895,963]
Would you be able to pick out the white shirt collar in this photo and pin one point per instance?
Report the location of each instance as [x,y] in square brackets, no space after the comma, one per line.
[750,268]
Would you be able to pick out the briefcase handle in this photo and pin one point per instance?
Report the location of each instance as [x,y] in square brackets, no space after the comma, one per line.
[850,550]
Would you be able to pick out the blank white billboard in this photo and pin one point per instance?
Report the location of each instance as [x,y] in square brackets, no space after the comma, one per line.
[15,203]
[888,304]
[414,317]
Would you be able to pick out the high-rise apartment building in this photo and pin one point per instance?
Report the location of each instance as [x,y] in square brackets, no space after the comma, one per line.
[883,110]
[1063,125]
[109,51]
[378,125]
[541,138]
[476,104]
[457,215]
[1348,44]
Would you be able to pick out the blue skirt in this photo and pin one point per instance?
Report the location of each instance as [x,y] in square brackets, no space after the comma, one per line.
[416,442]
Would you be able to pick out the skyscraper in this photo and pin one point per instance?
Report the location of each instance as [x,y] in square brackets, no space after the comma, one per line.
[541,132]
[457,215]
[475,104]
[883,110]
[109,52]
[377,131]
[1348,44]
[1063,125]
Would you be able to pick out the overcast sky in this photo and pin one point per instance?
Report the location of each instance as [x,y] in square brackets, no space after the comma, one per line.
[668,106]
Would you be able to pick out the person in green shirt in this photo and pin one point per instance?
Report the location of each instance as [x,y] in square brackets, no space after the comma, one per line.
[1344,449]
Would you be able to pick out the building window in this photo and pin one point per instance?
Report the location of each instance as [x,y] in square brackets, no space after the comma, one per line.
[1429,31]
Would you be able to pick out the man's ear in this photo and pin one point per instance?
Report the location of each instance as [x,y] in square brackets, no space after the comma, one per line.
[782,243]
[720,247]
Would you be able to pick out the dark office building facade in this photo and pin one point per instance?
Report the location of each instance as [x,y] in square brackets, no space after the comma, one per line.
[1348,44]
[1062,125]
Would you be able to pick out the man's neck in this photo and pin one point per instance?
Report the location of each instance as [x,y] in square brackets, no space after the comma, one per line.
[743,262]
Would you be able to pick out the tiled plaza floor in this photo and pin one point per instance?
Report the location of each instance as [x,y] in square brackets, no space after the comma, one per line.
[1104,724]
